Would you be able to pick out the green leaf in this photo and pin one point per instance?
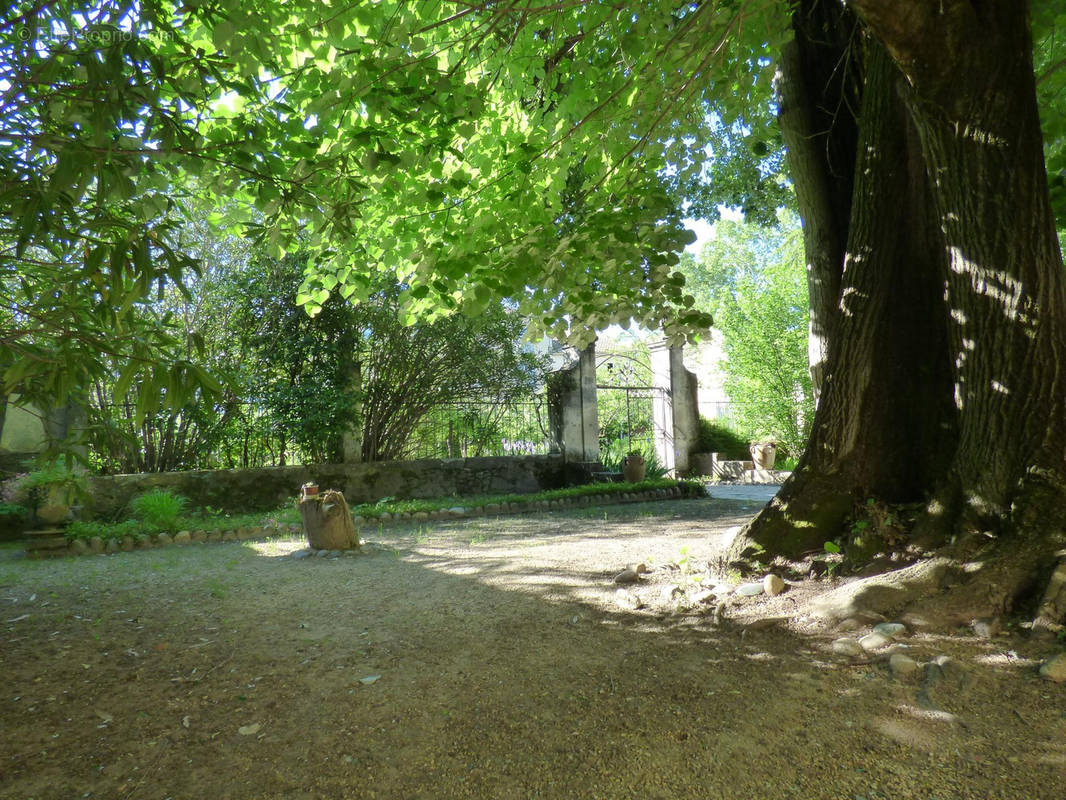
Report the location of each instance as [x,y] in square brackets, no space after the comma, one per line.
[222,33]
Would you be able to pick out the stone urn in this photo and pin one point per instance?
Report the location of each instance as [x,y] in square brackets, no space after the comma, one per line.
[633,467]
[764,454]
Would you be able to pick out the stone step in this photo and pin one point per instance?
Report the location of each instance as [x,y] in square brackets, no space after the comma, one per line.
[763,476]
[37,541]
[732,470]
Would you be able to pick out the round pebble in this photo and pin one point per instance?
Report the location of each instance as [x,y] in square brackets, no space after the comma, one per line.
[773,585]
[902,666]
[846,646]
[874,641]
[1054,669]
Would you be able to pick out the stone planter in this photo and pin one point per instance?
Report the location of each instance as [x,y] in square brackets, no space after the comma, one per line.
[702,463]
[764,454]
[633,468]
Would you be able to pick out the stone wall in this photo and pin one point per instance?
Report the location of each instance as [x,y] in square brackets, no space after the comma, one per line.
[268,487]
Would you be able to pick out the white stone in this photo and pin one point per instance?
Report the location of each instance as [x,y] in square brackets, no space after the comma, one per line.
[773,585]
[986,627]
[846,646]
[750,589]
[874,641]
[902,666]
[1054,669]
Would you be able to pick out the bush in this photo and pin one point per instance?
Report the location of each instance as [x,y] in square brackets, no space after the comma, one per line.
[158,509]
[714,437]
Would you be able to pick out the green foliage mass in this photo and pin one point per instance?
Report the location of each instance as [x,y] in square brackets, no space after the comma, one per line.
[358,368]
[538,154]
[1049,57]
[754,281]
[481,153]
[716,437]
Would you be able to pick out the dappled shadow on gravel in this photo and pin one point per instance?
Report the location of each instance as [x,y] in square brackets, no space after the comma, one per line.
[482,659]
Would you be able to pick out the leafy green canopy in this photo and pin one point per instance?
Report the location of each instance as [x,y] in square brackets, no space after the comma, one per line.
[478,152]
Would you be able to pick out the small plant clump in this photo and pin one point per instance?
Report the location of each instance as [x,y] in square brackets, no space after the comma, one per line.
[87,529]
[158,509]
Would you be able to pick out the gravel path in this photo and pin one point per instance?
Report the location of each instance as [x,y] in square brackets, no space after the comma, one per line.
[492,658]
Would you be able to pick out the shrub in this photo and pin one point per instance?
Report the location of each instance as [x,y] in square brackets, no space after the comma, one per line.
[158,509]
[715,437]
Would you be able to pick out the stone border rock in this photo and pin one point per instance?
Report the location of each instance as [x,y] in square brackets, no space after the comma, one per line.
[98,546]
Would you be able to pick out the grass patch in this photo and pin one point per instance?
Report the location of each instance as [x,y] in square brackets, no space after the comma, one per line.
[207,520]
[210,520]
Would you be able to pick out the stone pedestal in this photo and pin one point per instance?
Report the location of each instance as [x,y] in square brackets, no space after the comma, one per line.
[46,542]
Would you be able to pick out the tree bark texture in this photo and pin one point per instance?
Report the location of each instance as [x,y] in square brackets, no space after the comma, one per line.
[819,84]
[884,415]
[327,522]
[974,104]
[944,381]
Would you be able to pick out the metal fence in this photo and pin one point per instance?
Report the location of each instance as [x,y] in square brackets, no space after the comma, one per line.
[471,428]
[245,435]
[629,419]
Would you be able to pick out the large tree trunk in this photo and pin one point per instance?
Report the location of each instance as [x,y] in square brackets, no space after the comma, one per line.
[880,426]
[944,378]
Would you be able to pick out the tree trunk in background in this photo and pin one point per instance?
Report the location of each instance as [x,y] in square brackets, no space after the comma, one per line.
[944,376]
[819,84]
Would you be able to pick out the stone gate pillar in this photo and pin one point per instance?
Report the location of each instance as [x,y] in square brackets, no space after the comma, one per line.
[675,407]
[572,411]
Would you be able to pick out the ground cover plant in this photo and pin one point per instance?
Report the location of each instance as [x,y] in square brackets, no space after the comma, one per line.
[161,511]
